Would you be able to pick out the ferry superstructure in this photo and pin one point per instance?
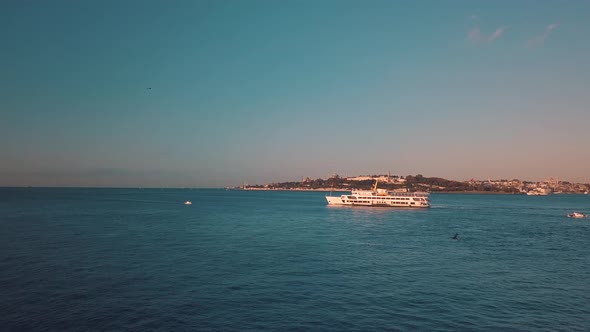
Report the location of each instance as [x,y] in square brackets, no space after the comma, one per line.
[381,197]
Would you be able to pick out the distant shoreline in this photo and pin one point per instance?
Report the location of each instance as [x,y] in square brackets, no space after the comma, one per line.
[432,192]
[348,190]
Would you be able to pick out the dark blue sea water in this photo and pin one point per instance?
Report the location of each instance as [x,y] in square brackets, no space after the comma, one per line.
[131,259]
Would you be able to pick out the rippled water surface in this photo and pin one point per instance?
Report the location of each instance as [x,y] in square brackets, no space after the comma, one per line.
[138,259]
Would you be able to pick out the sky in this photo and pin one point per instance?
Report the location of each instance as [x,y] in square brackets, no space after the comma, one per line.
[220,93]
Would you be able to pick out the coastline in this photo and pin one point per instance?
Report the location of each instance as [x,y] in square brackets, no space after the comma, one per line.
[348,190]
[430,192]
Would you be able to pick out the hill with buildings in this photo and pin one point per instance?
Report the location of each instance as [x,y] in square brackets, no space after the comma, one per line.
[421,183]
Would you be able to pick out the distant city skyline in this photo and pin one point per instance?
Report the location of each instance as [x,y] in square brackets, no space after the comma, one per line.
[220,93]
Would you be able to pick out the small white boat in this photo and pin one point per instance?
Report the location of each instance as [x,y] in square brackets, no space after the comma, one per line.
[576,215]
[188,203]
[539,192]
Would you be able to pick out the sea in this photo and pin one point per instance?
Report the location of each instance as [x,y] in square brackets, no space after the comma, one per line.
[75,259]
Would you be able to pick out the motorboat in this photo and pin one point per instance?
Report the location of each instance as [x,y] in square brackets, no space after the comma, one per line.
[188,203]
[576,215]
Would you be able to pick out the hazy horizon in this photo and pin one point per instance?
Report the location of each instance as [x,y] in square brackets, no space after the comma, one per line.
[216,94]
[179,186]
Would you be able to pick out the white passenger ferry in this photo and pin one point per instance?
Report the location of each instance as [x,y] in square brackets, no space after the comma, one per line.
[381,197]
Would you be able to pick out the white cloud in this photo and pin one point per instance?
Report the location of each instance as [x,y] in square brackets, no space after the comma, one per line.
[497,34]
[476,36]
[540,39]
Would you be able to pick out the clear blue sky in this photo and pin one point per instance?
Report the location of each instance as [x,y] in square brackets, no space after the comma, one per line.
[263,91]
